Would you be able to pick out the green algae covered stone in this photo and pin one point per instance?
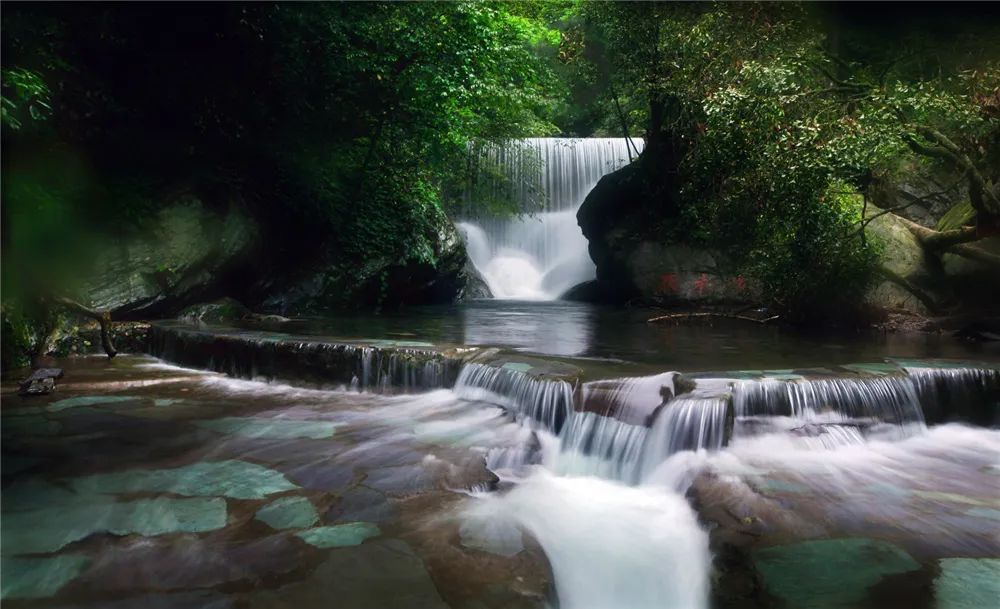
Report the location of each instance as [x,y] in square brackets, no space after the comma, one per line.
[341,535]
[53,527]
[39,577]
[235,479]
[288,513]
[968,583]
[829,573]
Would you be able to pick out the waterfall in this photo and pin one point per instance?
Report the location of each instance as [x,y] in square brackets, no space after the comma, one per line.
[543,253]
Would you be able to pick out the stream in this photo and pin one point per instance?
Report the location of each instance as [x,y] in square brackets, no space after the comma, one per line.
[553,470]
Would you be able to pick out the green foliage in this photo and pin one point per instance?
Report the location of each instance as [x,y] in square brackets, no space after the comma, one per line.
[25,98]
[765,124]
[339,124]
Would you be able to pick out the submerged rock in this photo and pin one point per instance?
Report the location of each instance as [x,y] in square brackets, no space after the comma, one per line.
[39,577]
[829,573]
[379,575]
[41,382]
[236,479]
[339,535]
[288,513]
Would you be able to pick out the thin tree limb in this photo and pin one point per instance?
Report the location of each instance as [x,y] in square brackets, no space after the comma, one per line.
[103,319]
[690,316]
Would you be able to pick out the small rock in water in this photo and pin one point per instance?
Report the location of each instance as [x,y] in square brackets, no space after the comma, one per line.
[37,387]
[41,381]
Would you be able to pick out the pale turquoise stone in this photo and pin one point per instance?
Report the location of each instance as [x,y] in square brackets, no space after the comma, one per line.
[236,479]
[517,367]
[39,577]
[341,535]
[953,498]
[288,513]
[984,513]
[164,402]
[275,429]
[968,583]
[88,400]
[52,528]
[829,573]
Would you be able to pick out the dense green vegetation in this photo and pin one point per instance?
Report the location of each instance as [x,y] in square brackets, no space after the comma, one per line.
[343,129]
[767,125]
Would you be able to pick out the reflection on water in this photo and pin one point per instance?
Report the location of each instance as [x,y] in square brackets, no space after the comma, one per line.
[572,329]
[551,328]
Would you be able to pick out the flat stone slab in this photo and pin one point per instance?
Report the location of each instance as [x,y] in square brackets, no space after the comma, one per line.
[39,577]
[361,503]
[187,562]
[235,479]
[339,535]
[55,526]
[378,575]
[968,583]
[277,429]
[829,573]
[288,513]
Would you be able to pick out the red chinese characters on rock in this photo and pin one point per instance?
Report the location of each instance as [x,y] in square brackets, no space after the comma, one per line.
[668,283]
[701,284]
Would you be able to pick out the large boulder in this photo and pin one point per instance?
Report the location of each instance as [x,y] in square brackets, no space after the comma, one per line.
[383,282]
[180,257]
[906,279]
[635,262]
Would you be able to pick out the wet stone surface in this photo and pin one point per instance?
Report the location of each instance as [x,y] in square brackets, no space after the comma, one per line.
[142,485]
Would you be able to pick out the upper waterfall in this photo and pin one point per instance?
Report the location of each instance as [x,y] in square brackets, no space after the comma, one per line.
[542,253]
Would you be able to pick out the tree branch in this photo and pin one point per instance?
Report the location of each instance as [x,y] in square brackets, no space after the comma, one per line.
[103,318]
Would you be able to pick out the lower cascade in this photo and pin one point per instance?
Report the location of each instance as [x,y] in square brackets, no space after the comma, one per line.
[607,486]
[622,492]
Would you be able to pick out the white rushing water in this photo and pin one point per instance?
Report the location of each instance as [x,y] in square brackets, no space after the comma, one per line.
[603,491]
[540,256]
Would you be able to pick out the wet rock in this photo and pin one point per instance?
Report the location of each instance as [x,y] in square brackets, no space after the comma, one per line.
[187,562]
[236,479]
[222,311]
[39,577]
[183,255]
[402,479]
[490,535]
[967,583]
[51,528]
[375,575]
[340,535]
[361,503]
[288,513]
[180,600]
[41,382]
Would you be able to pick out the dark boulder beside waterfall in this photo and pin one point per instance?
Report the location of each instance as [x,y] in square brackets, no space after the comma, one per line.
[636,260]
